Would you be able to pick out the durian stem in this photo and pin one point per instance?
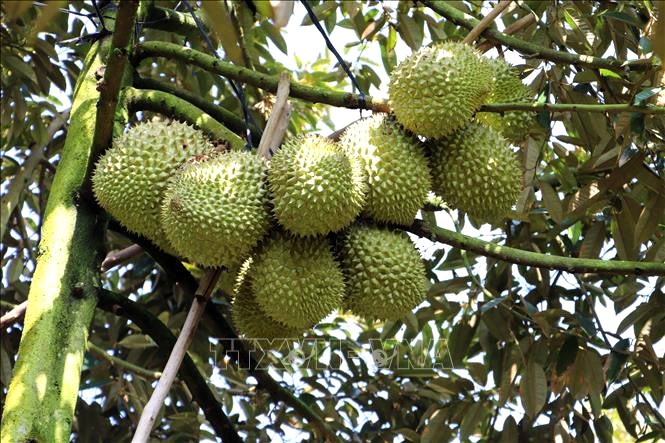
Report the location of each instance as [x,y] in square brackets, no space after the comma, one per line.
[532,50]
[266,82]
[172,106]
[156,402]
[189,372]
[528,258]
[571,107]
[225,117]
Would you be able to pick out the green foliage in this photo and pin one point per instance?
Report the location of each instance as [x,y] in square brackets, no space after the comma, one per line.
[497,352]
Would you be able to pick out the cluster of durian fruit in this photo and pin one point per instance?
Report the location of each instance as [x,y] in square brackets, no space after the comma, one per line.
[315,228]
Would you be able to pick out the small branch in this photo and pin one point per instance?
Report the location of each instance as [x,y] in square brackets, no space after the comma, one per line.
[14,315]
[189,372]
[170,105]
[165,19]
[154,405]
[266,82]
[513,28]
[114,258]
[485,22]
[527,258]
[227,118]
[279,119]
[530,50]
[571,107]
[123,364]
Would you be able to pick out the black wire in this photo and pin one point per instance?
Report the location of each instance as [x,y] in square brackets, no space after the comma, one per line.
[312,16]
[236,89]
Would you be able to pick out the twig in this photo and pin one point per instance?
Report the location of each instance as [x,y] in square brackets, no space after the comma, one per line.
[154,405]
[279,119]
[460,18]
[189,372]
[14,315]
[115,258]
[123,364]
[513,28]
[527,258]
[485,22]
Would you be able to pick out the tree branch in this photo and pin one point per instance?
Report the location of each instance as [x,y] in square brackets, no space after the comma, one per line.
[114,75]
[227,118]
[168,20]
[513,28]
[189,372]
[265,82]
[571,107]
[154,405]
[528,258]
[531,50]
[170,105]
[345,99]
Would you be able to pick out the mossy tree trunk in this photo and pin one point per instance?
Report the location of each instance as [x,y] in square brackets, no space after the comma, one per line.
[61,302]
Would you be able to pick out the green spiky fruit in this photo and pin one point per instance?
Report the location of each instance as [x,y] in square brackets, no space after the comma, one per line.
[475,170]
[385,275]
[248,317]
[316,188]
[296,281]
[437,89]
[508,88]
[215,208]
[130,178]
[395,165]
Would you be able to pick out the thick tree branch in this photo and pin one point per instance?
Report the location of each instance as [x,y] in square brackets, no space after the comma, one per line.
[169,20]
[265,82]
[528,258]
[227,118]
[189,372]
[530,50]
[571,107]
[349,100]
[170,105]
[114,73]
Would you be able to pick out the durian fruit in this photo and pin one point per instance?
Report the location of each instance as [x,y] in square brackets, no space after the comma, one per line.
[130,178]
[396,168]
[296,280]
[475,170]
[248,317]
[437,89]
[385,276]
[316,188]
[508,88]
[215,208]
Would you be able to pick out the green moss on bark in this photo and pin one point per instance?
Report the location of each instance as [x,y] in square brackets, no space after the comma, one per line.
[42,395]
